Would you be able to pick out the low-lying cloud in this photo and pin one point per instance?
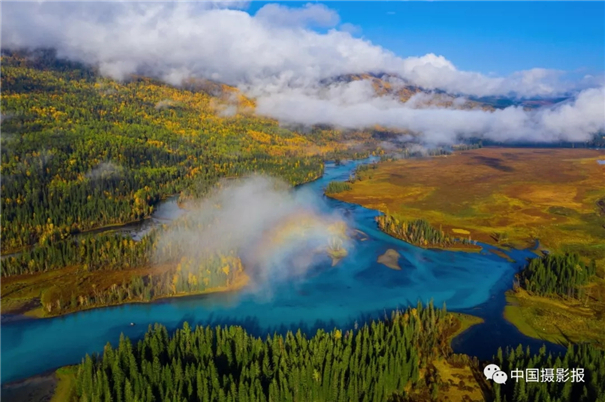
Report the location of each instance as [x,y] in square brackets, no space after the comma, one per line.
[576,120]
[276,231]
[105,170]
[282,55]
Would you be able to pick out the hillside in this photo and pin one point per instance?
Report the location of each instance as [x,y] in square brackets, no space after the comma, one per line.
[80,151]
[397,87]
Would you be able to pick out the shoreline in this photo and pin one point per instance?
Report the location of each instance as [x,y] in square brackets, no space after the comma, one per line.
[39,387]
[21,313]
[46,385]
[239,285]
[461,330]
[471,248]
[554,319]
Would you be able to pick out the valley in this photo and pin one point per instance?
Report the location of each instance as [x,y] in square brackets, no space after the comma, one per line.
[279,202]
[507,197]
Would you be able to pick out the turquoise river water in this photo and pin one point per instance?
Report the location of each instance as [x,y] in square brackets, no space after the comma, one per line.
[356,290]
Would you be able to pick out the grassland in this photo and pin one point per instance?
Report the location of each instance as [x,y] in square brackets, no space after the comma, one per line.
[560,320]
[66,384]
[517,194]
[465,321]
[456,375]
[459,382]
[510,198]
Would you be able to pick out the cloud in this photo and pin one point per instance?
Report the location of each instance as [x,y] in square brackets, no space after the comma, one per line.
[351,106]
[273,47]
[277,232]
[350,28]
[586,114]
[105,170]
[276,56]
[316,15]
[165,104]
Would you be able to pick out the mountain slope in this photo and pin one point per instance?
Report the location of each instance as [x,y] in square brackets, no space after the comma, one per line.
[80,151]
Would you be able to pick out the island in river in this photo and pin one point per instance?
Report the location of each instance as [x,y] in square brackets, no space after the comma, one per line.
[390,259]
[507,197]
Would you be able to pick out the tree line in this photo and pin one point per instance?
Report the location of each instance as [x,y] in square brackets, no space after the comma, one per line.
[90,252]
[335,187]
[363,172]
[373,363]
[388,360]
[583,356]
[419,232]
[190,276]
[561,275]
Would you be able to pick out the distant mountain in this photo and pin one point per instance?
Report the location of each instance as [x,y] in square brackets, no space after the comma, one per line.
[394,85]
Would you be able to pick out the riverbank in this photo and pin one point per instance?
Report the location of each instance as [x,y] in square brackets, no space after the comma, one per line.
[557,319]
[466,321]
[21,293]
[54,386]
[42,387]
[355,289]
[457,245]
[60,385]
[498,196]
[507,198]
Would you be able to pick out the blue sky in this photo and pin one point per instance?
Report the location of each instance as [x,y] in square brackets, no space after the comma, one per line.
[498,37]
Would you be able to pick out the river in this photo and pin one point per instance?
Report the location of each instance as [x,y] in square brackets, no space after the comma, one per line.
[356,290]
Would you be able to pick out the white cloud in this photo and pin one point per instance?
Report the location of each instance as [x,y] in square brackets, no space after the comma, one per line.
[277,232]
[350,28]
[309,15]
[271,47]
[274,55]
[351,106]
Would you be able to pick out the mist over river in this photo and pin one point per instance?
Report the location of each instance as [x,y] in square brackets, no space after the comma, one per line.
[354,291]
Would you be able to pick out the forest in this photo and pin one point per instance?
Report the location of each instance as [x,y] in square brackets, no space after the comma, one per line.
[334,187]
[419,232]
[363,172]
[388,360]
[583,356]
[561,275]
[90,252]
[173,268]
[373,363]
[80,151]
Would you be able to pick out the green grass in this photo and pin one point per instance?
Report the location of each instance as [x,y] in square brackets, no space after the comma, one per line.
[558,320]
[65,390]
[529,193]
[466,321]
